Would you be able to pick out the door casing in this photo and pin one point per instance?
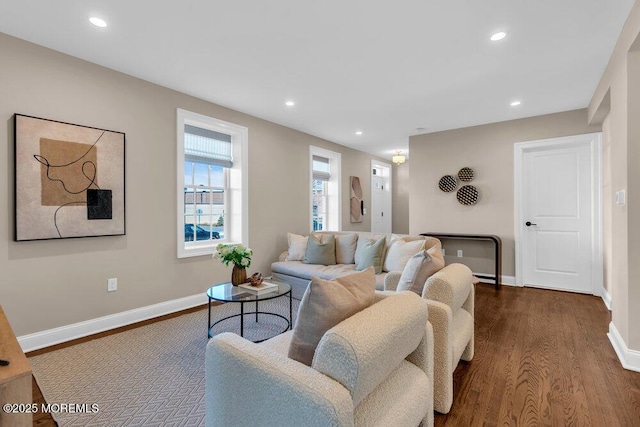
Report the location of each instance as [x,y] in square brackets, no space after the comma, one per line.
[594,140]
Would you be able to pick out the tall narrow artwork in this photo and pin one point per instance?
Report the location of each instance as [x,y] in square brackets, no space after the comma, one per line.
[69,180]
[356,201]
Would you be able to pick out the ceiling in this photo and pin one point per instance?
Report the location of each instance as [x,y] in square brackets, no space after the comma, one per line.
[387,69]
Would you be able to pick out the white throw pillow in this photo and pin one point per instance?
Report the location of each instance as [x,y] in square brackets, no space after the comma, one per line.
[297,247]
[419,268]
[399,253]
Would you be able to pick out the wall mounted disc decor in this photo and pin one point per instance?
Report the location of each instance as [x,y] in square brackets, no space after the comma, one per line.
[465,174]
[448,183]
[467,195]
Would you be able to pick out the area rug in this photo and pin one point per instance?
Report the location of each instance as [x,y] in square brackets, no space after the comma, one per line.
[148,376]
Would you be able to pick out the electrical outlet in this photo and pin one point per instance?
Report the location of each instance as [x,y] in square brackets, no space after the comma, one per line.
[443,252]
[112,285]
[459,253]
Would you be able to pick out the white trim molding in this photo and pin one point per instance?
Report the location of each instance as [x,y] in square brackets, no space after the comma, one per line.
[74,331]
[488,278]
[606,297]
[630,359]
[595,142]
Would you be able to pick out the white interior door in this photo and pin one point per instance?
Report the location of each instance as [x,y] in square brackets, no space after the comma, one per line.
[380,197]
[556,218]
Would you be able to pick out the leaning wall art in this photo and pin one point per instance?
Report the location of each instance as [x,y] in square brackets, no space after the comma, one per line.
[69,180]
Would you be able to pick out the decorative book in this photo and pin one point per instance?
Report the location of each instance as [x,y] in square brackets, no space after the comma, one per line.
[262,288]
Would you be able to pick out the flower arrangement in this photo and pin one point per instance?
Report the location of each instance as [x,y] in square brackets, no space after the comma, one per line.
[238,255]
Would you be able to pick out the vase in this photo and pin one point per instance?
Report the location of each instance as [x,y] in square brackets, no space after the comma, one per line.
[238,275]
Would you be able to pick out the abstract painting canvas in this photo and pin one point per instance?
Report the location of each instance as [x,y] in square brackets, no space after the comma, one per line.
[69,180]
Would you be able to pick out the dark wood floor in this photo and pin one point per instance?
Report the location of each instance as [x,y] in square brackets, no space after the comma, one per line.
[542,358]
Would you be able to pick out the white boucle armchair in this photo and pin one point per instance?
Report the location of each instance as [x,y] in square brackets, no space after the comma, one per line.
[372,369]
[450,295]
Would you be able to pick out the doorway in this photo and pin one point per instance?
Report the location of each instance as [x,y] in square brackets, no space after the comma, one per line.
[558,213]
[380,197]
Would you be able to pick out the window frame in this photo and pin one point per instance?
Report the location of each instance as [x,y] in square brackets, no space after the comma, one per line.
[334,189]
[236,199]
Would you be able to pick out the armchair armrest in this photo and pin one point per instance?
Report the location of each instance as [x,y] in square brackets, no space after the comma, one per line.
[278,390]
[441,319]
[451,285]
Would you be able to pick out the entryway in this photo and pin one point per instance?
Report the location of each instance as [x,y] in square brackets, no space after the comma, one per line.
[380,197]
[557,213]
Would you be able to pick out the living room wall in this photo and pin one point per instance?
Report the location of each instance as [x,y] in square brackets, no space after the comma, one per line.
[48,284]
[616,102]
[488,150]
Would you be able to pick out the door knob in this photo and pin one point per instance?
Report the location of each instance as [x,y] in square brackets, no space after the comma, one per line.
[529,224]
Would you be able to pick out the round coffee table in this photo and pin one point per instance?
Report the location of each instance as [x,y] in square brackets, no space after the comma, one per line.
[226,292]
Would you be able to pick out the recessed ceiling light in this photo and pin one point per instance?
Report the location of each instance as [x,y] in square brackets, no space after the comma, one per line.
[515,103]
[289,103]
[498,36]
[98,22]
[359,132]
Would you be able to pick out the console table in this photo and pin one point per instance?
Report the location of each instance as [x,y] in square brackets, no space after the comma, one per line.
[497,244]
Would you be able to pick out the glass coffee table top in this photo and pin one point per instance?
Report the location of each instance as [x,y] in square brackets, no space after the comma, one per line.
[226,292]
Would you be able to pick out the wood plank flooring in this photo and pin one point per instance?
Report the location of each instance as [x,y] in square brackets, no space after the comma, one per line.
[542,358]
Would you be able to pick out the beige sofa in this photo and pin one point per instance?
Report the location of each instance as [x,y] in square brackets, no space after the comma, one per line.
[298,274]
[374,368]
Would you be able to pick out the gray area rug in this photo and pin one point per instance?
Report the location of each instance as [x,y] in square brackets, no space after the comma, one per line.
[149,376]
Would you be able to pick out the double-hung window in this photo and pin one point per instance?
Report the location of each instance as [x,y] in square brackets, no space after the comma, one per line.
[211,178]
[325,189]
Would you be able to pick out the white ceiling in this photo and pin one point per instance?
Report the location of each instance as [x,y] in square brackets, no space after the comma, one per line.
[385,68]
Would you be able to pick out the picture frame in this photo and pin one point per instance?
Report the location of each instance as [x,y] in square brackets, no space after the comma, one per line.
[69,180]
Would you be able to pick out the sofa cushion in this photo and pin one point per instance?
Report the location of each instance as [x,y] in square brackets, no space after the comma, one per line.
[325,304]
[346,248]
[419,268]
[399,253]
[370,253]
[363,350]
[321,249]
[297,247]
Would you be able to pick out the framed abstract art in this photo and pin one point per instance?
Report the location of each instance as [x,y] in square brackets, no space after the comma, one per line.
[69,180]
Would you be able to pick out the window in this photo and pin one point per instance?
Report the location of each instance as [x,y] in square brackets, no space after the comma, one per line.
[325,189]
[212,173]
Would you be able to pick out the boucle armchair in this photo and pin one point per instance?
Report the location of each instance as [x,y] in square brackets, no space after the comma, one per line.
[450,295]
[374,368]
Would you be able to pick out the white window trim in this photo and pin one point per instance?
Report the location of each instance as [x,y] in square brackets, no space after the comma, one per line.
[334,216]
[237,196]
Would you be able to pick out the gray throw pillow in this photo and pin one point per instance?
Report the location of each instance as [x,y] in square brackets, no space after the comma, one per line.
[370,253]
[418,269]
[321,249]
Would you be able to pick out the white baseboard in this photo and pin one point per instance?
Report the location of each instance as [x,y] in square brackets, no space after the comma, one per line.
[606,297]
[66,333]
[630,359]
[506,280]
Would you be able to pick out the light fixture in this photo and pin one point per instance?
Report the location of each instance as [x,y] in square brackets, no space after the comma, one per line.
[359,132]
[498,36]
[398,158]
[289,103]
[515,103]
[98,22]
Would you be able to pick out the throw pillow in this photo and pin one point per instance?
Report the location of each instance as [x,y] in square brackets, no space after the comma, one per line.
[399,253]
[419,268]
[370,253]
[321,249]
[325,304]
[346,248]
[297,246]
